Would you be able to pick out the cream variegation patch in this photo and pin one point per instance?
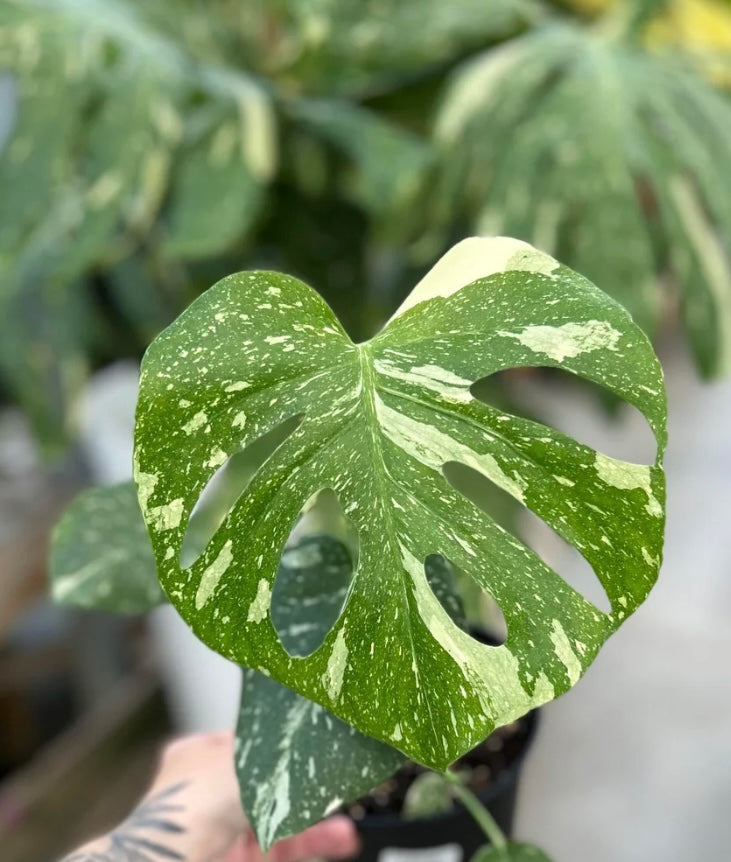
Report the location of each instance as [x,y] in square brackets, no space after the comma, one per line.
[568,340]
[475,258]
[213,574]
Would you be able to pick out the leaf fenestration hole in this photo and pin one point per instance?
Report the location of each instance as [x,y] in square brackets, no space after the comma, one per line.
[529,529]
[226,486]
[469,606]
[315,574]
[563,558]
[579,408]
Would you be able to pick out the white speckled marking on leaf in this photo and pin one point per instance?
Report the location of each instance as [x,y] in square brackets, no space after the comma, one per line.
[565,653]
[259,608]
[167,517]
[198,421]
[212,575]
[627,477]
[336,665]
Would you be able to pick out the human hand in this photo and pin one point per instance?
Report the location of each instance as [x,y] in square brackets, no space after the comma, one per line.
[192,813]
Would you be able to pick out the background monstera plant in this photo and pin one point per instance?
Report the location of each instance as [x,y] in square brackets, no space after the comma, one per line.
[607,156]
[156,148]
[353,645]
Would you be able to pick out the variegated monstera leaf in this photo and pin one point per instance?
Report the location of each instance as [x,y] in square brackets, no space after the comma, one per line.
[378,422]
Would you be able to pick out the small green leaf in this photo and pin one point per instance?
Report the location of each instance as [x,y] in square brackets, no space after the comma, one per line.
[429,794]
[379,421]
[101,556]
[510,853]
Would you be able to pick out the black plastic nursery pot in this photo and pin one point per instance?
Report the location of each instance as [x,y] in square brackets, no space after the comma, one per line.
[452,836]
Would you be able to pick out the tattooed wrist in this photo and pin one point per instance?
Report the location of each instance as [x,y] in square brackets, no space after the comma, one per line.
[153,832]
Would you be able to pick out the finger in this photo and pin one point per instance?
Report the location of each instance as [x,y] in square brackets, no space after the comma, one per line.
[211,749]
[199,742]
[335,838]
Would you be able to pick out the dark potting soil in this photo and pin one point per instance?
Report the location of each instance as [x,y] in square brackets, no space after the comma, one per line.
[483,764]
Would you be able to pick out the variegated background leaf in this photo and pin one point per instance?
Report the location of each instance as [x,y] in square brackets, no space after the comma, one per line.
[379,420]
[100,554]
[119,127]
[296,762]
[360,47]
[607,156]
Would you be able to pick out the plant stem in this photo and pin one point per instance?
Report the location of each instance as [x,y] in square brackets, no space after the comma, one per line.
[482,816]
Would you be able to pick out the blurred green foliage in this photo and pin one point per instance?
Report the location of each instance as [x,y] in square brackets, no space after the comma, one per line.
[610,158]
[157,147]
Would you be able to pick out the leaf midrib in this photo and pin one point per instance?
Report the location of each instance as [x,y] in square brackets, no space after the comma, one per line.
[368,392]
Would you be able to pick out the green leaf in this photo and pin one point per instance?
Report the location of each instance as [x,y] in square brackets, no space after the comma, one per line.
[379,420]
[510,853]
[429,794]
[211,177]
[105,98]
[46,307]
[356,46]
[389,163]
[45,330]
[101,556]
[309,592]
[35,158]
[223,171]
[295,761]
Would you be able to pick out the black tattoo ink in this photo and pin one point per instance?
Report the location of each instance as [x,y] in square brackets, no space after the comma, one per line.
[133,840]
